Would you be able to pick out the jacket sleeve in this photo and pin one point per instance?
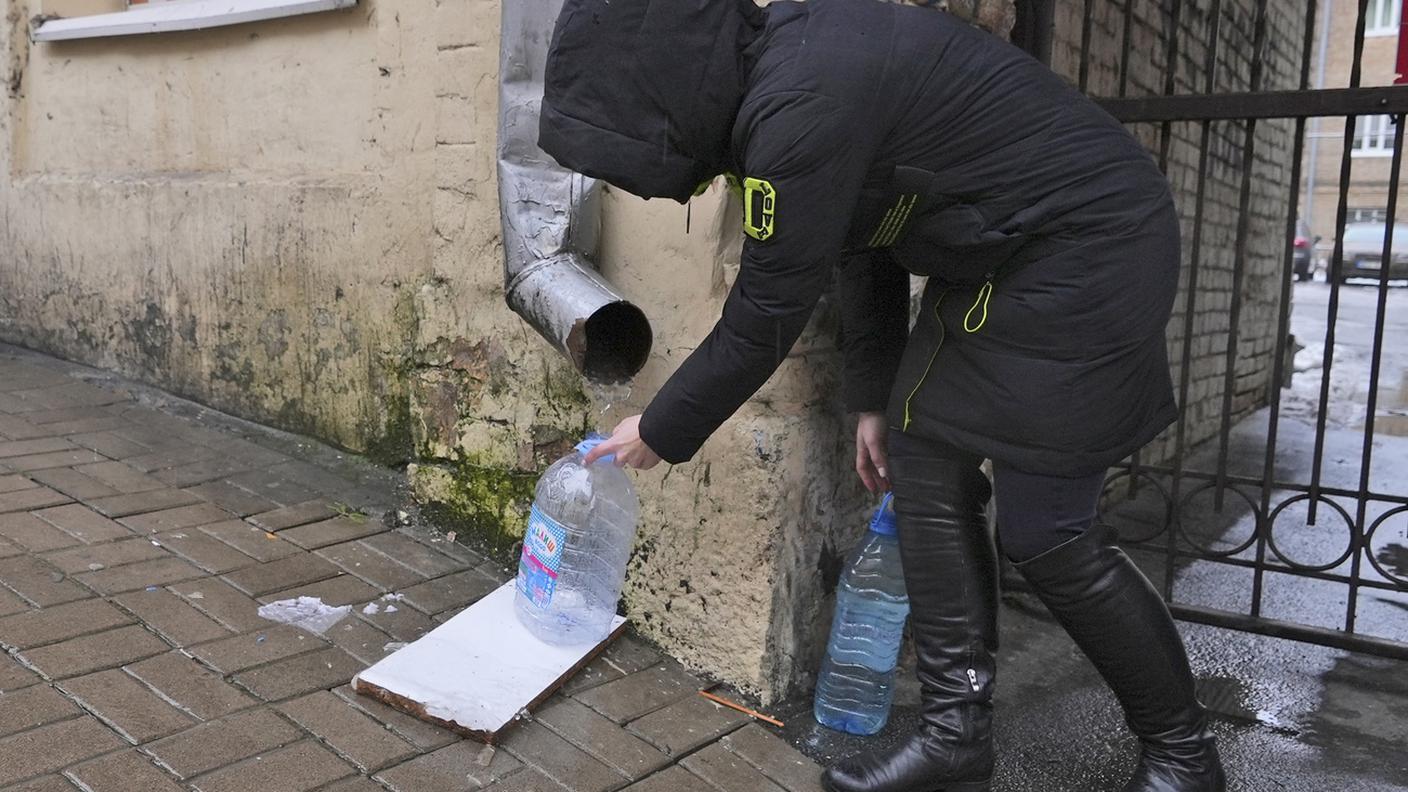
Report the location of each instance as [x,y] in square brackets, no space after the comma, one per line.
[873,291]
[805,147]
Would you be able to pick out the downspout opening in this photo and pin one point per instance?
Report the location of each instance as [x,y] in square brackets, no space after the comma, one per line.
[612,344]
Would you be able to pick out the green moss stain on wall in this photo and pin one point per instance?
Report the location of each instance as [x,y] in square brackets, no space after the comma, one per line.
[485,502]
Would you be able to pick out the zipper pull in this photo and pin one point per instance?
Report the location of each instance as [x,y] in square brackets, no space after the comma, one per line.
[973,680]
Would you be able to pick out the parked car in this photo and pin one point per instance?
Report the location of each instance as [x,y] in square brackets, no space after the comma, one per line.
[1301,253]
[1364,248]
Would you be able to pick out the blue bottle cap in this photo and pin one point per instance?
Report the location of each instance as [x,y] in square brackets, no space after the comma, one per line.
[884,522]
[593,440]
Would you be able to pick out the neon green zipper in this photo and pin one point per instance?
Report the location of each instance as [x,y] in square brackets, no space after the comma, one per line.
[981,303]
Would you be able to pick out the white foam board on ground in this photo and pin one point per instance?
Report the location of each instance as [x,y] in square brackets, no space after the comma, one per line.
[477,671]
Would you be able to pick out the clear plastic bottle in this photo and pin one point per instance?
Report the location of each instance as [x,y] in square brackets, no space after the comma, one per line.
[578,540]
[857,680]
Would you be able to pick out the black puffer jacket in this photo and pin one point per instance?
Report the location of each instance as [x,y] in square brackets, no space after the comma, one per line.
[890,140]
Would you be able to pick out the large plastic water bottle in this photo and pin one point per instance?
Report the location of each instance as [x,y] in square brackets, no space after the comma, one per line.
[857,680]
[578,540]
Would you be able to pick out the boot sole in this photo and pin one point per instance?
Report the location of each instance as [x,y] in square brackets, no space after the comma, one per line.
[964,786]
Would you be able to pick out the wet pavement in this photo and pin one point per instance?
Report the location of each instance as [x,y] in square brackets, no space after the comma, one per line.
[1288,715]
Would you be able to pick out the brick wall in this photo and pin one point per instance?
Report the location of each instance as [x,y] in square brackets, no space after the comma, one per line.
[1270,185]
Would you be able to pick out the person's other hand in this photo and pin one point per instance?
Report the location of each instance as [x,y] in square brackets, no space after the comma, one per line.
[625,443]
[871,463]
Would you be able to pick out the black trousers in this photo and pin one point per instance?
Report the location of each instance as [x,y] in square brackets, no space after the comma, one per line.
[1035,512]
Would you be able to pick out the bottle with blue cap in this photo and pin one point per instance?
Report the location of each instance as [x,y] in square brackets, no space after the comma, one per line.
[578,540]
[857,681]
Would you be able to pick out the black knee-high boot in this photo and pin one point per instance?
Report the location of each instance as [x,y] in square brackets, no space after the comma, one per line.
[1122,624]
[950,572]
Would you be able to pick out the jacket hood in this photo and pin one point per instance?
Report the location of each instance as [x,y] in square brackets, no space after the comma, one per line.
[643,93]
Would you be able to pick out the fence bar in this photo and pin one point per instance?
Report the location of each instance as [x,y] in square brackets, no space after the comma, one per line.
[1190,298]
[1125,45]
[1271,104]
[1375,366]
[1086,29]
[1303,489]
[1336,266]
[1283,322]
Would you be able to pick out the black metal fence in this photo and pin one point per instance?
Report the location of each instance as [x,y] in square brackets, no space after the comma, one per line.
[1180,503]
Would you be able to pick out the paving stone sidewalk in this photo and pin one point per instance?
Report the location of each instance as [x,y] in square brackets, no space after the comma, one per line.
[140,533]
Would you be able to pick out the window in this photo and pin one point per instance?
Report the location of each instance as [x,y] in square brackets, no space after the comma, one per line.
[1373,136]
[75,19]
[1382,17]
[1362,215]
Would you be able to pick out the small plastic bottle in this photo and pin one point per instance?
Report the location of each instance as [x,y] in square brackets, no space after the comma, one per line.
[575,549]
[857,681]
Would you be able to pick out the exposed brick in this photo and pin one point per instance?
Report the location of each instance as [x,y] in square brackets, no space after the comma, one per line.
[53,459]
[51,747]
[51,783]
[59,623]
[329,532]
[195,688]
[121,477]
[254,542]
[271,485]
[341,590]
[20,429]
[403,624]
[131,577]
[687,724]
[601,737]
[13,676]
[221,742]
[221,602]
[297,514]
[11,602]
[728,771]
[141,502]
[34,706]
[72,483]
[361,560]
[232,498]
[32,533]
[108,444]
[285,573]
[354,735]
[775,758]
[204,551]
[40,445]
[201,471]
[82,523]
[177,518]
[12,483]
[672,779]
[302,766]
[306,673]
[171,617]
[29,499]
[632,696]
[424,736]
[94,652]
[533,744]
[127,771]
[94,557]
[127,706]
[452,591]
[454,767]
[38,582]
[238,652]
[359,639]
[422,558]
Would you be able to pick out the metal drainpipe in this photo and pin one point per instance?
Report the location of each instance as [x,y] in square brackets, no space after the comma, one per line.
[551,219]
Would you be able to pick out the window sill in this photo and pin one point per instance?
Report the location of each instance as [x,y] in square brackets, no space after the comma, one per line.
[1370,153]
[171,17]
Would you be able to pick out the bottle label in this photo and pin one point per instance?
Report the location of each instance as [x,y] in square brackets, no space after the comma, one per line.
[542,558]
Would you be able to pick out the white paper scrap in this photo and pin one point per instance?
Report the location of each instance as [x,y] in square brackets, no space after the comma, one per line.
[307,612]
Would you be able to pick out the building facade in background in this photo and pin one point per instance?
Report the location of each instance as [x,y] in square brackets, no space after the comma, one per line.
[1371,151]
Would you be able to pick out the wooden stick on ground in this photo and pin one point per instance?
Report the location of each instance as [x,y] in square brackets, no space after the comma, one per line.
[736,706]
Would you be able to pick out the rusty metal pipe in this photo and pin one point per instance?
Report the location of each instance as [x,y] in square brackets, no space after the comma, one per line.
[551,220]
